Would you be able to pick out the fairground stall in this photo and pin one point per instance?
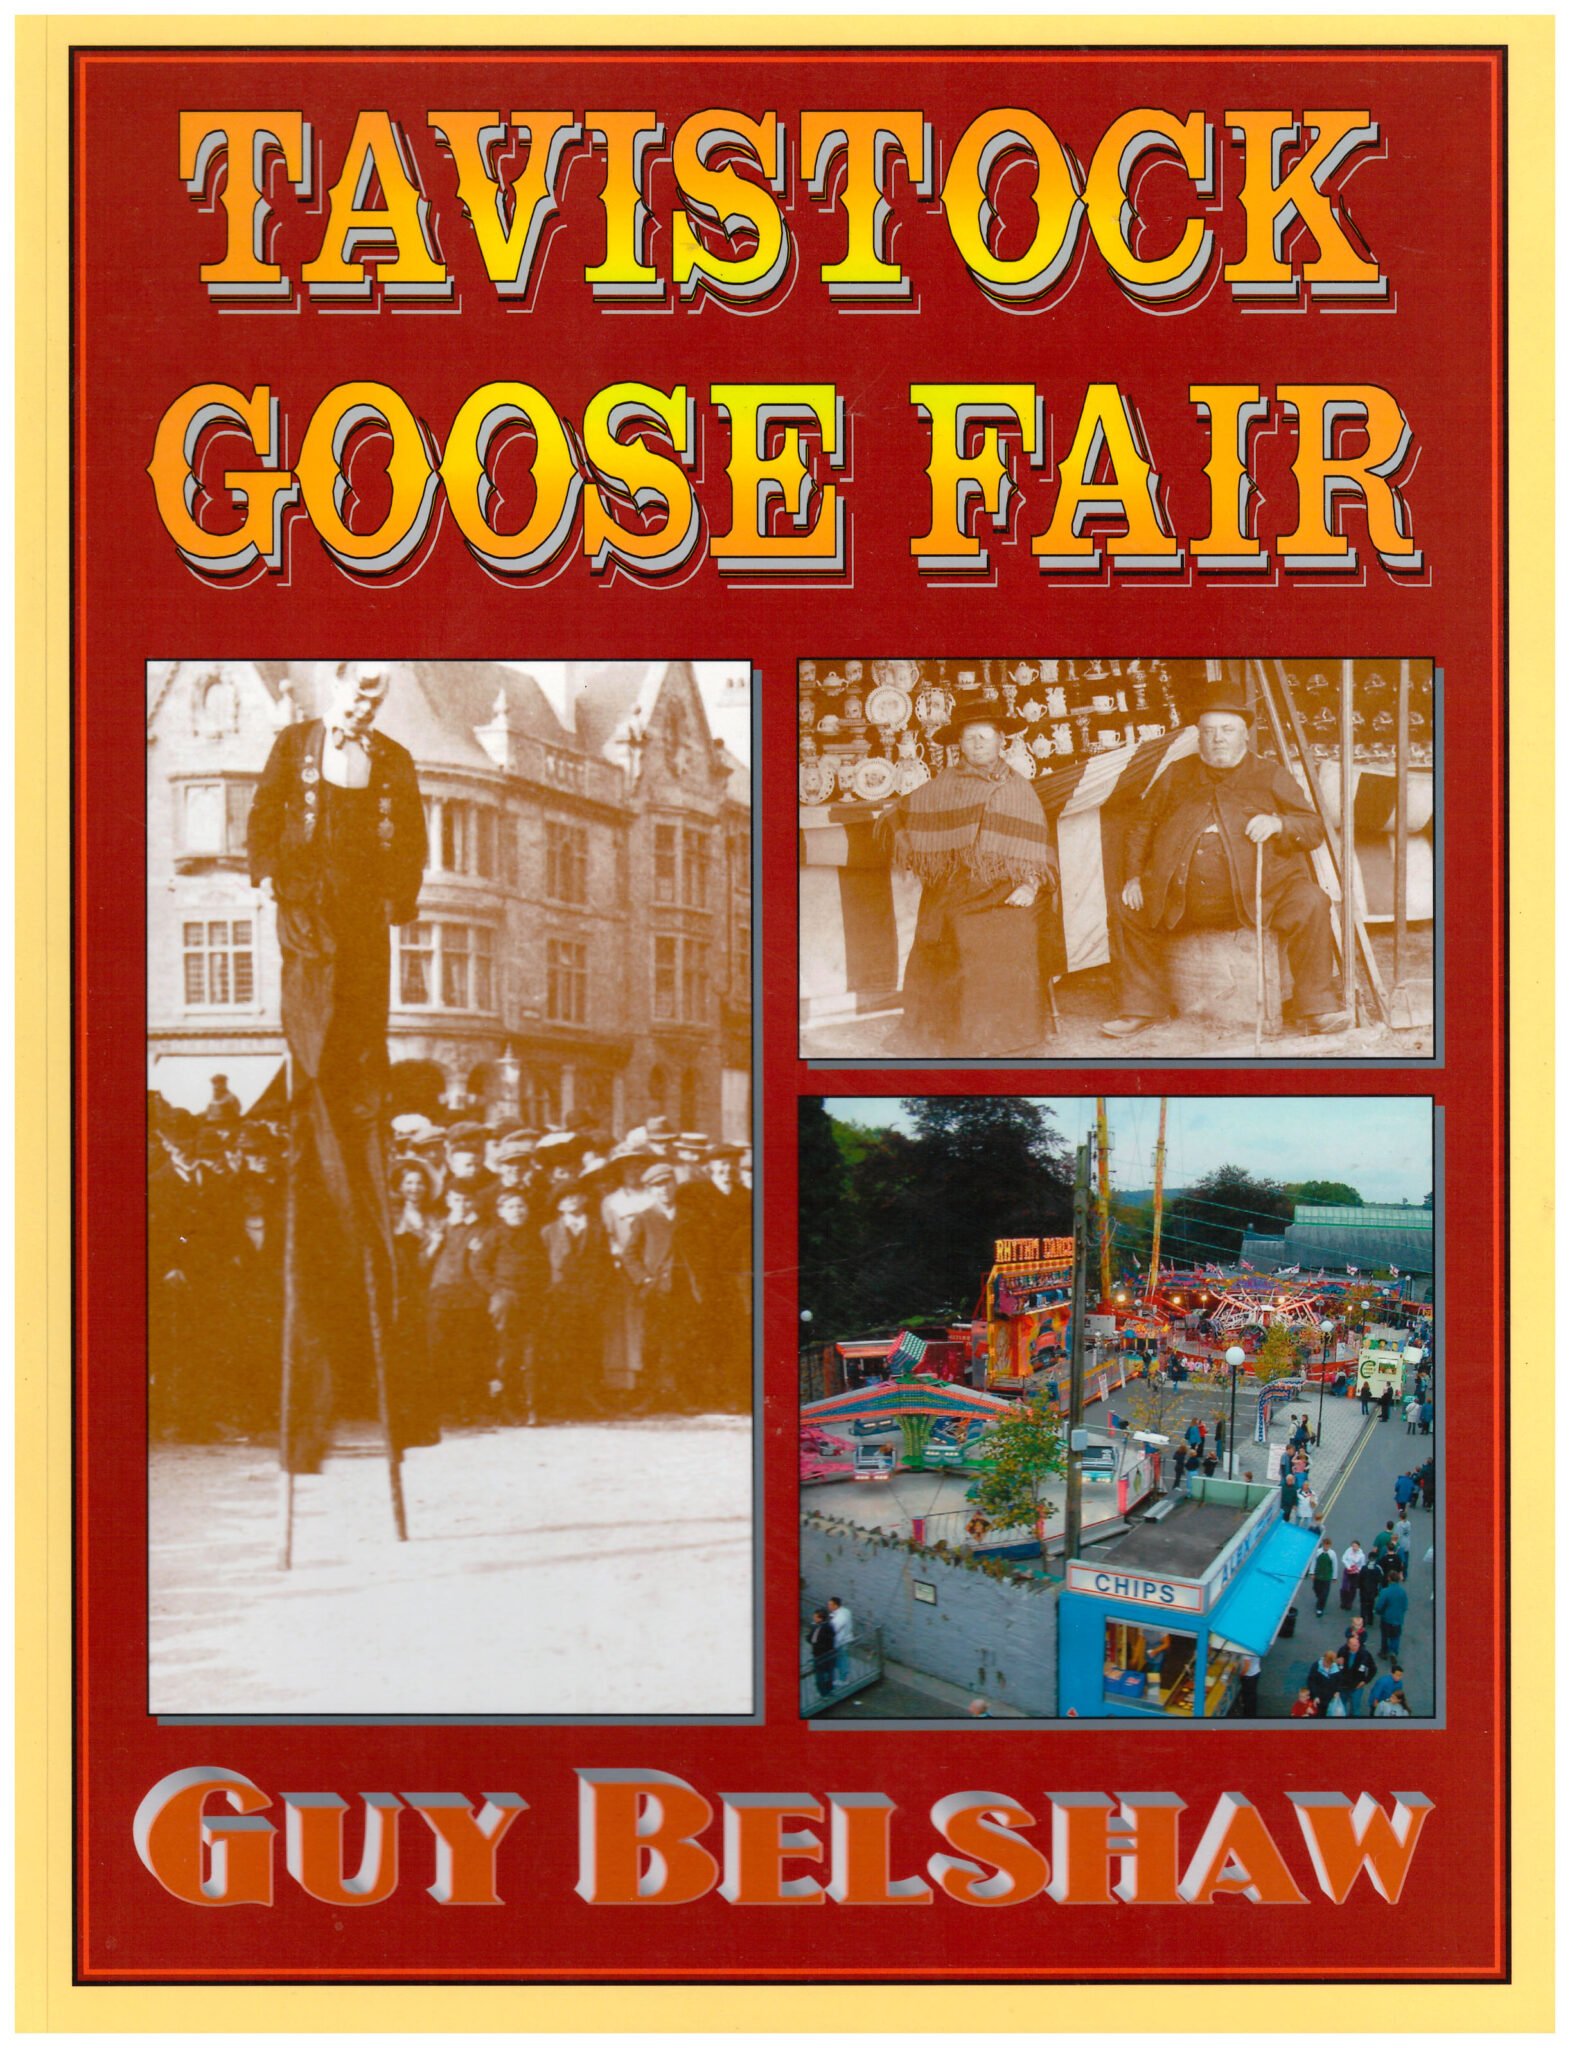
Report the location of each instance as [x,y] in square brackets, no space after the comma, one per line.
[1026,1302]
[1155,1624]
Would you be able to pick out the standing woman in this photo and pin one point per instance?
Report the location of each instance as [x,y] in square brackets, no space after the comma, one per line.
[986,943]
[1352,1561]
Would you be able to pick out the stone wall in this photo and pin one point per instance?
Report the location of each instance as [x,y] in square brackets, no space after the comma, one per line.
[994,1636]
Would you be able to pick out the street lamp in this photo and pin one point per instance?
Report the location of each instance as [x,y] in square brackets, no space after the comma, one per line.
[1234,1359]
[1326,1331]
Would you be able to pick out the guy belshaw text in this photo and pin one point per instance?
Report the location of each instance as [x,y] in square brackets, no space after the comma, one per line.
[648,1838]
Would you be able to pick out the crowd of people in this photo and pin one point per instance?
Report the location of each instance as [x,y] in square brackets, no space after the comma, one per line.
[1373,1581]
[540,1276]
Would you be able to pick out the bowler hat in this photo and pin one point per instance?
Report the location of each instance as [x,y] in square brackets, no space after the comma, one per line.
[1006,722]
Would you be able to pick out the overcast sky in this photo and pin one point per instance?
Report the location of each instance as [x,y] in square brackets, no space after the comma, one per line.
[728,706]
[1381,1144]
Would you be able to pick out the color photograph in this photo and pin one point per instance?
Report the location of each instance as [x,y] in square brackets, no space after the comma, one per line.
[1120,1409]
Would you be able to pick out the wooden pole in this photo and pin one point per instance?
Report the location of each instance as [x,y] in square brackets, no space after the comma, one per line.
[383,1408]
[1104,1196]
[1348,849]
[1161,1174]
[1076,1370]
[1403,715]
[1305,754]
[1259,949]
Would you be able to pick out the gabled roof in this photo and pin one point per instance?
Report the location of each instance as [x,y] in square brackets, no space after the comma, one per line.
[433,707]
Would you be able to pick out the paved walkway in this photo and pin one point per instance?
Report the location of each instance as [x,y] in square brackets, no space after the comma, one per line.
[1360,1505]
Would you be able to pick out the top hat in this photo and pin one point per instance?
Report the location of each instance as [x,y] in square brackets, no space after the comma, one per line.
[1225,697]
[1006,722]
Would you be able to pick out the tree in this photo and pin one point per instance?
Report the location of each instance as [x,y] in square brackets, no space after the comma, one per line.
[1357,1305]
[826,1278]
[1335,1194]
[1280,1355]
[1209,1220]
[1025,1452]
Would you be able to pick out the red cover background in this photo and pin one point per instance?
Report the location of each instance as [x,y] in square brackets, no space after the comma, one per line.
[1430,208]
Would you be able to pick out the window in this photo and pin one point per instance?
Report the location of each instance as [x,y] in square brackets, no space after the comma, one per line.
[446,966]
[665,863]
[463,837]
[566,981]
[212,818]
[695,869]
[415,954]
[484,842]
[743,930]
[566,861]
[681,984]
[219,963]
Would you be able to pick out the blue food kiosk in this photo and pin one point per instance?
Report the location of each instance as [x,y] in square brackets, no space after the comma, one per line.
[1156,1624]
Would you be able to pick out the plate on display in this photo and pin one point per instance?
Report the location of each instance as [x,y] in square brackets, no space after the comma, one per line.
[874,779]
[888,705]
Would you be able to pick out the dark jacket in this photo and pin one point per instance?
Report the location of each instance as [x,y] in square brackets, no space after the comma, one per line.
[508,1260]
[284,838]
[1165,831]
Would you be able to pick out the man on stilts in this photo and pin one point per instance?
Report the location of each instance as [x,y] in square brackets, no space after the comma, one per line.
[337,842]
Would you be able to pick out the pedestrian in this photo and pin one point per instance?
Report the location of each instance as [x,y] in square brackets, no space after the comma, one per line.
[820,1642]
[1386,1402]
[1403,1544]
[1414,1415]
[1393,1709]
[1209,1462]
[1390,1609]
[1370,1583]
[979,1710]
[1303,1707]
[1384,1540]
[1364,1397]
[1406,1486]
[1323,1567]
[1360,1669]
[1324,1681]
[1426,1417]
[1352,1559]
[1425,1477]
[1289,1496]
[1221,1437]
[1306,1514]
[1248,1685]
[1388,1682]
[1191,1436]
[843,1623]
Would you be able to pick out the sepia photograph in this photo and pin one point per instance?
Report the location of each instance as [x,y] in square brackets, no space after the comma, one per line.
[1047,859]
[1119,1409]
[449,1194]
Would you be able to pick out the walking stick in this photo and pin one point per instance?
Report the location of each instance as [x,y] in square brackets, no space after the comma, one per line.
[1259,949]
[379,1354]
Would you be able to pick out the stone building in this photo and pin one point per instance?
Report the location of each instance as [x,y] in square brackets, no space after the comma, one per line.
[584,939]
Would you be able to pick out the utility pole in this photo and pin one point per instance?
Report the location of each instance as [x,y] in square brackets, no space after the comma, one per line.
[1155,1234]
[1076,1368]
[1104,1195]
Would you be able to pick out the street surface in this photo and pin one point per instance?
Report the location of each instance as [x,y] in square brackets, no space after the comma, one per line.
[600,1569]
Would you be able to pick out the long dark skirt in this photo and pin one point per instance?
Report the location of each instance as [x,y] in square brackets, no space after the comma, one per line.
[976,979]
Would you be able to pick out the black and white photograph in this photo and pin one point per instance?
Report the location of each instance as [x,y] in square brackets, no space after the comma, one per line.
[1037,858]
[450,1377]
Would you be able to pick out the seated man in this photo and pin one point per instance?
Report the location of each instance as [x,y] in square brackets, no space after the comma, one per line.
[1190,860]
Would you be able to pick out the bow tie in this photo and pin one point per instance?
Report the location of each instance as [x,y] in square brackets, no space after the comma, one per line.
[340,738]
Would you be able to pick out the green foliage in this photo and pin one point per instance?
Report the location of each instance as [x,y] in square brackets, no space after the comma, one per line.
[1357,1305]
[1326,1193]
[1025,1452]
[1279,1356]
[1208,1221]
[854,1140]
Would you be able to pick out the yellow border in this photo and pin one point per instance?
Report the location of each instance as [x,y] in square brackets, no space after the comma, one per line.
[46,1999]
